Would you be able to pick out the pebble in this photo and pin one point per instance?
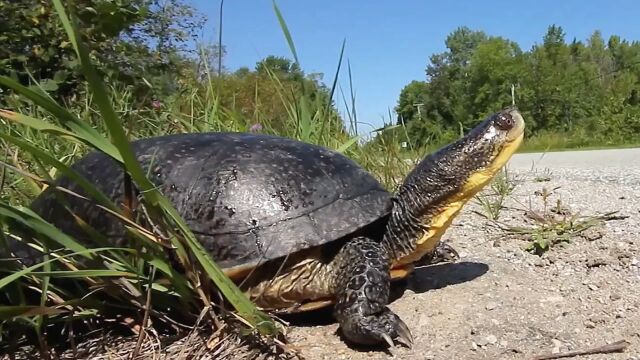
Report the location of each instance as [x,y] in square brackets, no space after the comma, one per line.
[492,305]
[492,339]
[482,342]
[589,324]
[557,344]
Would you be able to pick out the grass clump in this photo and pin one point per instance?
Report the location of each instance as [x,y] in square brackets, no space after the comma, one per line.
[493,199]
[553,224]
[87,287]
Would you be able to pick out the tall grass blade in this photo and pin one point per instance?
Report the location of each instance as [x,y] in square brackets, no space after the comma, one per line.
[158,203]
[287,34]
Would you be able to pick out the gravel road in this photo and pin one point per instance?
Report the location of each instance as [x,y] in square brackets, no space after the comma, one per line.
[586,159]
[502,302]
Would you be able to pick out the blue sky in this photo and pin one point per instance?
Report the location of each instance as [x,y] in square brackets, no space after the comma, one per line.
[388,43]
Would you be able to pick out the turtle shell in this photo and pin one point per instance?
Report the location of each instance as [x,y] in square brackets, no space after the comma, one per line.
[248,198]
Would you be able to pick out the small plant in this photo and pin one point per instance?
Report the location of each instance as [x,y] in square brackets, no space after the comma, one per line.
[554,224]
[545,176]
[501,188]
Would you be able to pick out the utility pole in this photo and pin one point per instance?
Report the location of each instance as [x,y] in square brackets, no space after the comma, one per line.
[419,106]
[513,95]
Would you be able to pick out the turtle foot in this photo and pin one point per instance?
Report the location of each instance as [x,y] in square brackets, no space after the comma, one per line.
[384,327]
[362,287]
[442,253]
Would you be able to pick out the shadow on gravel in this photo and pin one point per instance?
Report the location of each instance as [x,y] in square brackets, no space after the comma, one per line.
[442,275]
[422,280]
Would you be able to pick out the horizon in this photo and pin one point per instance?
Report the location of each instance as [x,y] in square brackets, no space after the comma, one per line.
[385,58]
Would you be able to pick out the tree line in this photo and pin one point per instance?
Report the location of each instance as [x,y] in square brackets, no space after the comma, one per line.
[580,88]
[150,50]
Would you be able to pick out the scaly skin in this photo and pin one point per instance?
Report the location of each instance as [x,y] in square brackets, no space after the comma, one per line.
[361,283]
[442,253]
[430,197]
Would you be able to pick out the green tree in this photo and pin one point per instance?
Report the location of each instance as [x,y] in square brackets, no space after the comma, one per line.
[589,88]
[133,42]
[411,95]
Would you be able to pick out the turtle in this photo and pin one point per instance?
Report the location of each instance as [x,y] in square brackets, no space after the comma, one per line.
[299,226]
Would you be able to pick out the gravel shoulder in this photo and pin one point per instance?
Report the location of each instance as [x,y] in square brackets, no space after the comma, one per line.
[502,302]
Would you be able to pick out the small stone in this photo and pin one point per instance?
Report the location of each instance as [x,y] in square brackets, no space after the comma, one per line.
[615,296]
[589,324]
[593,287]
[598,261]
[554,298]
[482,342]
[474,346]
[424,320]
[557,344]
[592,234]
[598,319]
[492,339]
[492,305]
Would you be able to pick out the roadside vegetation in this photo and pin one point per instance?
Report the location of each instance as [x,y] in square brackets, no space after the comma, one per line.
[574,93]
[93,76]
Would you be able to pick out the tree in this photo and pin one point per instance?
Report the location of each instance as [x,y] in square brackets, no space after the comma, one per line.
[588,87]
[496,64]
[130,40]
[412,94]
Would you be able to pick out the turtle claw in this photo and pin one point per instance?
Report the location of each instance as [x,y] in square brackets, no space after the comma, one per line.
[404,334]
[384,327]
[387,338]
[446,252]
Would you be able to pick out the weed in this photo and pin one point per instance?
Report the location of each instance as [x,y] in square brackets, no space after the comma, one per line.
[492,201]
[553,224]
[544,176]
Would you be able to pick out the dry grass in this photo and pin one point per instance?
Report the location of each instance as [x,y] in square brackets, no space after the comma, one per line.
[199,343]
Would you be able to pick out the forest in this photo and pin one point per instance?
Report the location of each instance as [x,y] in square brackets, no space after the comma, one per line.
[583,91]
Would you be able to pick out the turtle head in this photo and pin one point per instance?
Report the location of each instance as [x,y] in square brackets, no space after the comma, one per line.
[437,188]
[476,158]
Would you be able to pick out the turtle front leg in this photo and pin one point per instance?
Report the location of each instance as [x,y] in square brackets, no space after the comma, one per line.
[361,284]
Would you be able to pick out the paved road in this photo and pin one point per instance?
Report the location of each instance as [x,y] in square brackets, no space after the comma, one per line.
[611,158]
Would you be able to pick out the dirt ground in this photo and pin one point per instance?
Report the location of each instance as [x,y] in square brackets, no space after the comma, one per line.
[501,302]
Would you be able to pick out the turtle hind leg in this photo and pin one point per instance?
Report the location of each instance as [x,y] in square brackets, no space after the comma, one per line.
[362,283]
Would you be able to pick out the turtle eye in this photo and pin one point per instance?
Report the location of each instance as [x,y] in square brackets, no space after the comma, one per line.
[504,121]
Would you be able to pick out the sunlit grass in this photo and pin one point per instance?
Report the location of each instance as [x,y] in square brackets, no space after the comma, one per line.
[39,140]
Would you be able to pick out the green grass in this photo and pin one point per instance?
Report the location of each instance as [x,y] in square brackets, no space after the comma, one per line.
[492,200]
[551,224]
[545,142]
[40,139]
